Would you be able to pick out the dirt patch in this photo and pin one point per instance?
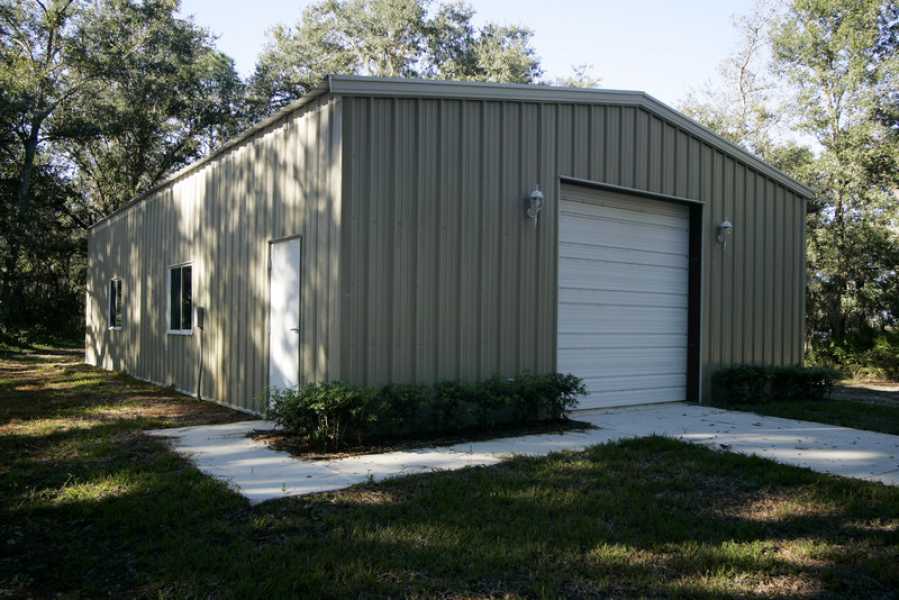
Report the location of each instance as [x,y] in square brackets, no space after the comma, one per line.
[774,506]
[787,586]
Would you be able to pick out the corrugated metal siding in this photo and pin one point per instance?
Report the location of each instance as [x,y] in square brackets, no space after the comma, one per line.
[283,181]
[445,278]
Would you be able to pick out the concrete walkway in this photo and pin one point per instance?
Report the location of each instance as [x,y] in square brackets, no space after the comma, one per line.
[259,473]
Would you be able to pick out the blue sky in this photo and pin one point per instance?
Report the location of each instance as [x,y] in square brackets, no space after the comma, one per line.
[665,48]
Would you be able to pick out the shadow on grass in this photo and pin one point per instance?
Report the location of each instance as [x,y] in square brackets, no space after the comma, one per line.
[23,342]
[104,510]
[647,517]
[33,388]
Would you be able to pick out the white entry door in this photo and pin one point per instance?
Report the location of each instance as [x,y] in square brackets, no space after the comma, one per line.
[623,283]
[284,315]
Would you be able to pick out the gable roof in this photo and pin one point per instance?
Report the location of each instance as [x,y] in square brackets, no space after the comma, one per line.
[351,85]
[346,85]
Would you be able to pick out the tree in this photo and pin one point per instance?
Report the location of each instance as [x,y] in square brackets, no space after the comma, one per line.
[387,38]
[887,107]
[581,77]
[740,107]
[832,78]
[35,85]
[167,102]
[837,66]
[500,54]
[98,101]
[35,82]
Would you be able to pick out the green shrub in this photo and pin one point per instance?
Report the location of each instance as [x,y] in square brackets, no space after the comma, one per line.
[331,415]
[752,384]
[801,383]
[869,358]
[739,384]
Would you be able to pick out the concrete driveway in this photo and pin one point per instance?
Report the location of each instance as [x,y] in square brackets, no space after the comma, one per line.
[824,448]
[260,473]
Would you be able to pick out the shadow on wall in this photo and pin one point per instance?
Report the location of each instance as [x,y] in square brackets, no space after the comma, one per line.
[221,218]
[280,185]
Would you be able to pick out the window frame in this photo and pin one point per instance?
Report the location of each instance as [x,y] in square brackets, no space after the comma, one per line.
[168,296]
[114,312]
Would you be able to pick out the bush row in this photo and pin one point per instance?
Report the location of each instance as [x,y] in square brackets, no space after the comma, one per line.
[751,384]
[331,415]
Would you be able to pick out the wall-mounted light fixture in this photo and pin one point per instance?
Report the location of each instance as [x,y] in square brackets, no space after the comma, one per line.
[535,204]
[725,230]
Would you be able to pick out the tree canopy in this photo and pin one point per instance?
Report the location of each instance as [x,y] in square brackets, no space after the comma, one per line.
[387,38]
[831,78]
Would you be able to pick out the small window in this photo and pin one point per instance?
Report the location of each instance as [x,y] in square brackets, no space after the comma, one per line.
[115,303]
[180,299]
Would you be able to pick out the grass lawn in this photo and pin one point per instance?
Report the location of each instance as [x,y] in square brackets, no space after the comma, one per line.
[91,507]
[15,345]
[846,412]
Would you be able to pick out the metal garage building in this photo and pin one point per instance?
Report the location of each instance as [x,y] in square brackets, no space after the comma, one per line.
[413,231]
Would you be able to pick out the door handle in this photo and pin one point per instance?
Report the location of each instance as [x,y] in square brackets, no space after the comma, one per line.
[295,329]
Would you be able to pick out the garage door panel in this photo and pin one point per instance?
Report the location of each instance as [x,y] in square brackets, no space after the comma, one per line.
[578,197]
[632,278]
[596,251]
[621,319]
[631,397]
[573,340]
[639,214]
[617,362]
[616,383]
[571,295]
[623,297]
[624,235]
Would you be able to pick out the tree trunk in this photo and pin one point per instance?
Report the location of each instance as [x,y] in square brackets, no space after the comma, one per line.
[841,277]
[28,166]
[10,284]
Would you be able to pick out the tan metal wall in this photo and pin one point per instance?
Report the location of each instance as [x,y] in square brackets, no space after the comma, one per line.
[282,181]
[444,278]
[436,273]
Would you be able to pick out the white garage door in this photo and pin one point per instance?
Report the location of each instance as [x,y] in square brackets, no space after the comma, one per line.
[623,282]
